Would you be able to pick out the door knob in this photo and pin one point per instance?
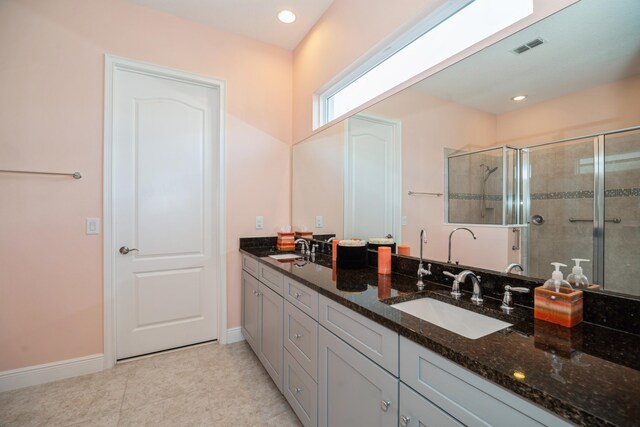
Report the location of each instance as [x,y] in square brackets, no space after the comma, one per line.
[404,421]
[384,405]
[125,250]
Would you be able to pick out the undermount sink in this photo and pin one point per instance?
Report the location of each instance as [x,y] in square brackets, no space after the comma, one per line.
[286,257]
[452,318]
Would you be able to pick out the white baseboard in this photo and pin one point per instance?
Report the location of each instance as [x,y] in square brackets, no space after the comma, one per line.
[40,374]
[234,335]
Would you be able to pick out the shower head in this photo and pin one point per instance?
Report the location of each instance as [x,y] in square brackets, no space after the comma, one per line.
[488,170]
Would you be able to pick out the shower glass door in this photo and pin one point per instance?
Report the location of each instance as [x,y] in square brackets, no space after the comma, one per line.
[559,205]
[621,213]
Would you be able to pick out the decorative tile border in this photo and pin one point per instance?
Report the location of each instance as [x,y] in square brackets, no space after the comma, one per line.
[471,196]
[556,195]
[586,194]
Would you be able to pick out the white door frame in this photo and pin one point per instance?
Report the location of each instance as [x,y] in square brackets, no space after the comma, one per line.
[113,63]
[396,209]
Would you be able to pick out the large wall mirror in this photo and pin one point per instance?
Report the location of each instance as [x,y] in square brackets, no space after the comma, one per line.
[552,177]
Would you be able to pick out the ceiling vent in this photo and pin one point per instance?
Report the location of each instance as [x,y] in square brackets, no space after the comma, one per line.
[528,46]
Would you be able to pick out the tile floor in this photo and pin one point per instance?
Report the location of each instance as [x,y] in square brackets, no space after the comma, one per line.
[209,385]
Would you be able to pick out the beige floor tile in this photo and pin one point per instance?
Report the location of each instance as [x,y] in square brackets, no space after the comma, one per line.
[206,385]
[189,409]
[100,420]
[285,419]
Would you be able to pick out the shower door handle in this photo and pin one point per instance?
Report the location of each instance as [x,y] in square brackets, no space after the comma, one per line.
[614,220]
[516,246]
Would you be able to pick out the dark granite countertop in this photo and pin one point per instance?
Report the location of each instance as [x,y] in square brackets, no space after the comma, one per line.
[589,375]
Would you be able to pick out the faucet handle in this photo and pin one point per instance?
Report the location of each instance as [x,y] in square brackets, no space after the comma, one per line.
[507,300]
[455,288]
[520,289]
[446,273]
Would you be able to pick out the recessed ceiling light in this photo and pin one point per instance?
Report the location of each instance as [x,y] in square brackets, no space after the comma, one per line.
[519,97]
[286,16]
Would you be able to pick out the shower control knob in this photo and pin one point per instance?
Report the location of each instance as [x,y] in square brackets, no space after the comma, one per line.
[537,219]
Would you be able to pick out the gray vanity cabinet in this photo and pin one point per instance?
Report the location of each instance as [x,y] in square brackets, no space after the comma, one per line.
[270,326]
[472,400]
[262,318]
[416,411]
[352,390]
[249,312]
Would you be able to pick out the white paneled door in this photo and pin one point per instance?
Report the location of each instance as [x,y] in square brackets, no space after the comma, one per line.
[372,178]
[165,211]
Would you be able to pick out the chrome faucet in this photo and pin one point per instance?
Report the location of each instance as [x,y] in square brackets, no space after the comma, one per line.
[305,246]
[476,298]
[513,266]
[451,234]
[421,270]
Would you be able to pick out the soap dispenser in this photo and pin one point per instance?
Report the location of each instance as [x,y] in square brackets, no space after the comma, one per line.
[557,279]
[577,279]
[557,302]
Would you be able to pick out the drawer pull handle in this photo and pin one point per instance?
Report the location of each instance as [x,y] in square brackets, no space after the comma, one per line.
[298,295]
[297,390]
[297,336]
[404,421]
[384,405]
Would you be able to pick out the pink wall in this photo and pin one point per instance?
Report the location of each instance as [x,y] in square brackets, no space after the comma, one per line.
[602,108]
[429,125]
[51,118]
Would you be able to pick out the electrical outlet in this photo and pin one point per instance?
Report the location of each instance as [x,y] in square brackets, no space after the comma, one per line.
[319,221]
[93,225]
[259,222]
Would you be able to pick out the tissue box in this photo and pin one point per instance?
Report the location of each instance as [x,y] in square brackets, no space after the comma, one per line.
[304,235]
[562,308]
[285,242]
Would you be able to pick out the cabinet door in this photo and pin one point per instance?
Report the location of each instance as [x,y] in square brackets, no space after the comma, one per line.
[270,335]
[352,390]
[249,316]
[416,411]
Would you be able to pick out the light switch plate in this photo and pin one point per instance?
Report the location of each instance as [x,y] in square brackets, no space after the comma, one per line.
[404,220]
[259,222]
[319,221]
[93,225]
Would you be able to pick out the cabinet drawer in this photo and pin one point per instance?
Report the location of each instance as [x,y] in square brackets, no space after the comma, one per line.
[302,297]
[415,410]
[468,397]
[301,338]
[250,264]
[301,391]
[378,343]
[271,278]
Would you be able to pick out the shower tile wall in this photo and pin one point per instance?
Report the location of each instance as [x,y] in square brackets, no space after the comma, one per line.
[466,176]
[561,187]
[622,201]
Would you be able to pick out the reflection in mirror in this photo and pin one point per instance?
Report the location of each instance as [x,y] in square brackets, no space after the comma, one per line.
[582,81]
[483,187]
